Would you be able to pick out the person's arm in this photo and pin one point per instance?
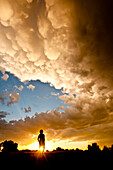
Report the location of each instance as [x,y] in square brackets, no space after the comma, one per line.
[38,138]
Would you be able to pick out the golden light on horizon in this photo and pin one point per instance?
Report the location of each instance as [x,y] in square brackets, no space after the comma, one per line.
[52,144]
[35,146]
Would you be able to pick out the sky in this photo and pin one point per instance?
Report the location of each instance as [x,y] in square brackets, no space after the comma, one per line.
[56,72]
[19,100]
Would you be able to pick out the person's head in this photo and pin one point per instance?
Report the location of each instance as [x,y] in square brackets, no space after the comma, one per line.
[41,131]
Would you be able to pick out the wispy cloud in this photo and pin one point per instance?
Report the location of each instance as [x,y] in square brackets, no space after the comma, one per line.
[19,88]
[3,97]
[55,94]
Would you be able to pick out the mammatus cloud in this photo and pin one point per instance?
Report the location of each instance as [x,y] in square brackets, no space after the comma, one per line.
[31,87]
[70,49]
[69,55]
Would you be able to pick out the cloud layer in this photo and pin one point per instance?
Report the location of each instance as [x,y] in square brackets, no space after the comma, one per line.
[60,126]
[69,45]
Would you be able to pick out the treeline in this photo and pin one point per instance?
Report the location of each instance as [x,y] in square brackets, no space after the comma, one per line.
[10,146]
[91,148]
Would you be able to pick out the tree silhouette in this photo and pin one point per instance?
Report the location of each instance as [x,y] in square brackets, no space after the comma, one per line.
[9,146]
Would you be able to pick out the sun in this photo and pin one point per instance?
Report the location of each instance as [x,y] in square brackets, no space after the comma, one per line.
[41,149]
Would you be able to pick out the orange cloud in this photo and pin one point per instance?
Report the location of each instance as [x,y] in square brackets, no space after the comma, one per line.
[75,124]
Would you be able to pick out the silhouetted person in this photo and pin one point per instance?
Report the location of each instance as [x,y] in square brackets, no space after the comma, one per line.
[41,139]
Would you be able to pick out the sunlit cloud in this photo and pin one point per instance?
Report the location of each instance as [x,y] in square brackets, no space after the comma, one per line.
[31,87]
[55,94]
[5,77]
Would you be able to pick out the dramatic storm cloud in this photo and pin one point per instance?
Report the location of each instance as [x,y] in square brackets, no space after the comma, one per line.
[69,45]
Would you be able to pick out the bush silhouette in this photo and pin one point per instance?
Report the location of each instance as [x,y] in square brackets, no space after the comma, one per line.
[9,146]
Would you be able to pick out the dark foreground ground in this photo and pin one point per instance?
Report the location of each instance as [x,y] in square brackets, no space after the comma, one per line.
[54,160]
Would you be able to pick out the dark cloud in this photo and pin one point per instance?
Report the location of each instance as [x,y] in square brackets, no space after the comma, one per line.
[27,110]
[3,114]
[78,123]
[93,31]
[3,98]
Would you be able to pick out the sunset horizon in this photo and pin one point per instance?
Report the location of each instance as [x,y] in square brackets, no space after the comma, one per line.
[56,73]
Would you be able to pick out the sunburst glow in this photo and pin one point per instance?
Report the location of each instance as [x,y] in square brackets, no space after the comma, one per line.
[41,149]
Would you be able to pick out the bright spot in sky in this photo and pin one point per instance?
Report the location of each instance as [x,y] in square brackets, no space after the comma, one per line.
[41,149]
